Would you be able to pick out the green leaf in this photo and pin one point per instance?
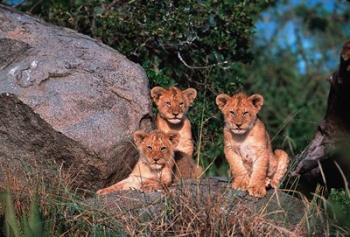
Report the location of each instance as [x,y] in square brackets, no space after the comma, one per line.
[27,232]
[12,227]
[35,221]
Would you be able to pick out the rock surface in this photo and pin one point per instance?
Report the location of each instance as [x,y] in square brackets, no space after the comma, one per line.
[82,88]
[283,213]
[30,148]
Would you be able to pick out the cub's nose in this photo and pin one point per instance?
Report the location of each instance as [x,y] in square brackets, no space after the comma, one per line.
[176,113]
[156,158]
[238,125]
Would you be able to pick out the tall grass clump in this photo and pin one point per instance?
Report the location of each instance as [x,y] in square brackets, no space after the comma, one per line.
[29,224]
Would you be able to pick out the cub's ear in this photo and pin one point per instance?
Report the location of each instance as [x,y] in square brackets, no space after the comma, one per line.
[174,138]
[156,92]
[190,94]
[221,100]
[257,100]
[139,136]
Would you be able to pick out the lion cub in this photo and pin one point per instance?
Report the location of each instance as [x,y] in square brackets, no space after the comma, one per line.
[253,164]
[173,105]
[154,167]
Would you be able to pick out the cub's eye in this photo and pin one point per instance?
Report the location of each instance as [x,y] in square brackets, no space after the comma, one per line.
[245,114]
[167,103]
[149,148]
[163,149]
[233,113]
[182,104]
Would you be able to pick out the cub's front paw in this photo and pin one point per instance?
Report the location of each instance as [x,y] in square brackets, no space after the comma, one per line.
[113,188]
[240,183]
[103,191]
[151,186]
[257,191]
[275,183]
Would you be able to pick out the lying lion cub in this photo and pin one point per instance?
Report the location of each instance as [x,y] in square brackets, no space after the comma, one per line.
[247,145]
[173,105]
[154,168]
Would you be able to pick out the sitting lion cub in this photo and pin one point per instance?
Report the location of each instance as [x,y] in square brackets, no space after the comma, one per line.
[247,145]
[173,105]
[154,167]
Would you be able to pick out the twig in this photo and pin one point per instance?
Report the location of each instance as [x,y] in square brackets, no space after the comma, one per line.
[200,67]
[33,7]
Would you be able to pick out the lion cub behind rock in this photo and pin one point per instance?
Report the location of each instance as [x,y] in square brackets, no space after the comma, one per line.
[253,164]
[154,168]
[173,105]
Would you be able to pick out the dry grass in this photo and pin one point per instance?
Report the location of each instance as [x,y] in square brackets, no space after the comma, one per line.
[188,212]
[241,222]
[183,211]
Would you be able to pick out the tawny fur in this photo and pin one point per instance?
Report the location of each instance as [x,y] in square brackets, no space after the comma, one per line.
[247,146]
[173,105]
[154,169]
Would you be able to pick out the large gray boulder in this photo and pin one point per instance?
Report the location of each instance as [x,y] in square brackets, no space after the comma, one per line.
[31,150]
[80,87]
